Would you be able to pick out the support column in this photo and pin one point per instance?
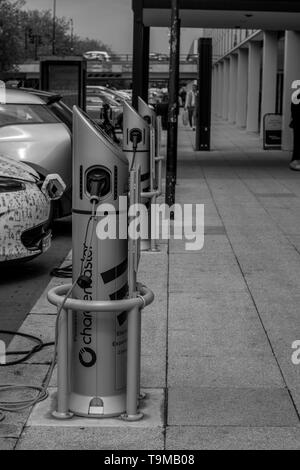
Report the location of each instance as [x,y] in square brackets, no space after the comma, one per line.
[214,89]
[171,166]
[242,88]
[269,75]
[226,89]
[253,87]
[146,50]
[140,65]
[220,88]
[217,95]
[291,73]
[203,106]
[232,88]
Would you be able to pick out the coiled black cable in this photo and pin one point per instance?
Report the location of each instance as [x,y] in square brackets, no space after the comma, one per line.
[28,353]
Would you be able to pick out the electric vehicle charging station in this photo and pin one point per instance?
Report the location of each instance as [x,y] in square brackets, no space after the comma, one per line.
[149,114]
[136,147]
[98,350]
[99,316]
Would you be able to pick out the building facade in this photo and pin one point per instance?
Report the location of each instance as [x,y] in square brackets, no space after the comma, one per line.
[253,75]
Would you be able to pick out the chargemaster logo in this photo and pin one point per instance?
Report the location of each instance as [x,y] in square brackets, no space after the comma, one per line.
[87,357]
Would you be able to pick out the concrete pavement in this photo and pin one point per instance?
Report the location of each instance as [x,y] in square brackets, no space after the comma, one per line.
[216,354]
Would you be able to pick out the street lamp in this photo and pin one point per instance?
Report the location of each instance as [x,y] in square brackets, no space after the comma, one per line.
[72,35]
[54,28]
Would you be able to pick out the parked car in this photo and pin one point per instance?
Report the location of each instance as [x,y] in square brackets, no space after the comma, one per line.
[153,56]
[24,212]
[102,56]
[117,95]
[35,128]
[163,58]
[96,98]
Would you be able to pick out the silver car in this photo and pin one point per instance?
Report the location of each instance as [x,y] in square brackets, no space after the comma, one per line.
[31,132]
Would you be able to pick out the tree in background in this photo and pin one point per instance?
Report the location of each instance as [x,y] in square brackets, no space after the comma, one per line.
[10,33]
[28,35]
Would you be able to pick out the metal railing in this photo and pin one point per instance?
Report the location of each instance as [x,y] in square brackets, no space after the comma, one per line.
[157,58]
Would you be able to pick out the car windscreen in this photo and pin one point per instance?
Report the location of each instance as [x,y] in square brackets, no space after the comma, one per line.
[94,100]
[11,114]
[63,113]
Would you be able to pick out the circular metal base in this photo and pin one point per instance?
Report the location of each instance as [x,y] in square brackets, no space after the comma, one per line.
[142,396]
[67,415]
[137,417]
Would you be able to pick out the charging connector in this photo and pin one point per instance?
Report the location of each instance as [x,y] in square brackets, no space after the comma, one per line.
[136,137]
[97,184]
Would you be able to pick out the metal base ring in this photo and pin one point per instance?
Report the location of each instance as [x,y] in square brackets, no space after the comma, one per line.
[132,418]
[59,415]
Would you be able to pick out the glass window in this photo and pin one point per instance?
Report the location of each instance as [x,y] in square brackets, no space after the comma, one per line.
[25,114]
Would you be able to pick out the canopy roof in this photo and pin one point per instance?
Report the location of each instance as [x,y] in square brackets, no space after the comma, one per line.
[247,14]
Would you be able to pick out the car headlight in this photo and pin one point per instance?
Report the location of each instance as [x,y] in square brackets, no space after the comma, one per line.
[9,185]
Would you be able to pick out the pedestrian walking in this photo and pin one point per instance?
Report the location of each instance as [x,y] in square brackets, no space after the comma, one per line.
[190,105]
[182,95]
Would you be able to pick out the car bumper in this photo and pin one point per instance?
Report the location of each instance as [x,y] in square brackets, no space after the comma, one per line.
[24,220]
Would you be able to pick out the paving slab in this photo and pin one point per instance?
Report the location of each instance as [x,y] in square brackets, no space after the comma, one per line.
[43,306]
[217,339]
[200,406]
[44,432]
[232,438]
[238,371]
[200,311]
[24,374]
[7,444]
[40,326]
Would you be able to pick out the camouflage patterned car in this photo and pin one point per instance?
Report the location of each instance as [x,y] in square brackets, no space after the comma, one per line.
[24,212]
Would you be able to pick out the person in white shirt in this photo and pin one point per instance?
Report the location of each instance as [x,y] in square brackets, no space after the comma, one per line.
[190,105]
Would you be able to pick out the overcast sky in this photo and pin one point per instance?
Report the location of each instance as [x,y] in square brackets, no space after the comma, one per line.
[111,21]
[107,20]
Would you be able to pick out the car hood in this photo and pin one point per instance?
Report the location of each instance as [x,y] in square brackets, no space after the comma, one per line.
[13,169]
[45,147]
